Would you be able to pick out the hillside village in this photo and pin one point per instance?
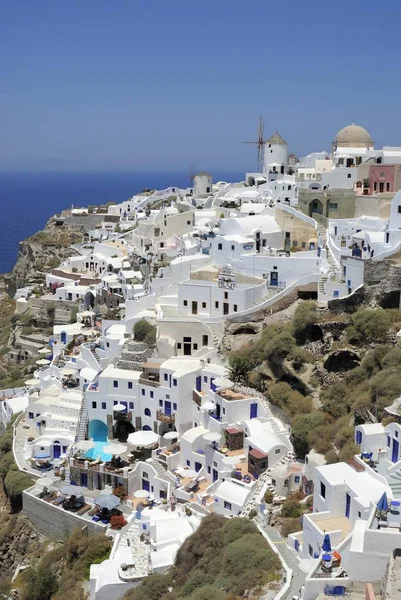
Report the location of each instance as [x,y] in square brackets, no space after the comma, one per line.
[232,350]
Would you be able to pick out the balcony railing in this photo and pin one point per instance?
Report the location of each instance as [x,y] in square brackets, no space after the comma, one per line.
[197,397]
[152,382]
[164,418]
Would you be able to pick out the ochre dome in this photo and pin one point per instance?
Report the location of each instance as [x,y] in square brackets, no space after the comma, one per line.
[353,136]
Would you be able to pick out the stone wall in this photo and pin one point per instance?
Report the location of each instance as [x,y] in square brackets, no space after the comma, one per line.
[56,522]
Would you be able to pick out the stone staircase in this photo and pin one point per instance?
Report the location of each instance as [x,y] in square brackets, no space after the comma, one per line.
[131,539]
[394,482]
[83,420]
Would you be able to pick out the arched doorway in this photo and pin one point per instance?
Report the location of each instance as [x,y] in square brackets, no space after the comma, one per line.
[315,207]
[89,300]
[98,430]
[56,449]
[147,428]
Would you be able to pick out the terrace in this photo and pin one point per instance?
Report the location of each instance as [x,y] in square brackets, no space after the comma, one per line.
[150,374]
[231,394]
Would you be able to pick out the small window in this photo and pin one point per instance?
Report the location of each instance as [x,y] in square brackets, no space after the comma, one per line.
[310,550]
[296,478]
[147,412]
[216,305]
[178,345]
[131,405]
[130,385]
[115,384]
[205,379]
[195,346]
[205,340]
[387,187]
[303,244]
[224,410]
[349,175]
[152,394]
[232,247]
[359,515]
[277,451]
[94,404]
[333,205]
[188,222]
[143,391]
[185,303]
[145,475]
[209,470]
[396,434]
[225,295]
[160,402]
[235,308]
[167,396]
[174,405]
[375,186]
[174,382]
[31,415]
[295,243]
[165,376]
[214,463]
[322,490]
[188,463]
[103,405]
[220,247]
[203,304]
[227,505]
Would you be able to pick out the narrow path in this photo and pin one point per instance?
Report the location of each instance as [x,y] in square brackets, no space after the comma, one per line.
[298,576]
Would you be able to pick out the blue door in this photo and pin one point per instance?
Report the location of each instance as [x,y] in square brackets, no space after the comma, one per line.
[167,408]
[359,437]
[56,450]
[145,485]
[63,337]
[347,505]
[212,384]
[396,451]
[296,546]
[215,475]
[198,466]
[199,383]
[253,410]
[84,480]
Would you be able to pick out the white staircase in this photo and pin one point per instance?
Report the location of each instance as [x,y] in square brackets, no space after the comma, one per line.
[394,482]
[83,420]
[161,471]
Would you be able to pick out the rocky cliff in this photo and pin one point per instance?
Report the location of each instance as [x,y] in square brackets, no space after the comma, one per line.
[42,252]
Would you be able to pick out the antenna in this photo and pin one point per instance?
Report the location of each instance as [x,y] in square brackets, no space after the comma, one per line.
[192,173]
[260,142]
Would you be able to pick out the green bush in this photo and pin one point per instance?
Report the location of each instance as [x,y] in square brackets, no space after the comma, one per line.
[152,588]
[348,451]
[42,584]
[304,317]
[291,508]
[207,592]
[16,482]
[234,529]
[335,400]
[290,526]
[239,368]
[144,332]
[290,401]
[369,325]
[302,427]
[249,552]
[198,580]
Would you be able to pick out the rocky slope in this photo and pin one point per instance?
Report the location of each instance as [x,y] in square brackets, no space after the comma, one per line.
[41,252]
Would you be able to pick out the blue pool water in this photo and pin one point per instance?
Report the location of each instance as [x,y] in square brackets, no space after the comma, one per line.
[97,452]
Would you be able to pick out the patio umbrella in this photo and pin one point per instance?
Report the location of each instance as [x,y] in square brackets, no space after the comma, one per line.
[119,407]
[107,501]
[43,361]
[141,439]
[171,435]
[231,460]
[383,502]
[186,472]
[212,436]
[326,547]
[223,383]
[43,454]
[141,494]
[85,445]
[115,448]
[44,351]
[68,371]
[71,490]
[208,405]
[32,382]
[44,482]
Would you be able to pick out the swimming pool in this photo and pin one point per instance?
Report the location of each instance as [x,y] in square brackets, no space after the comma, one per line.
[97,452]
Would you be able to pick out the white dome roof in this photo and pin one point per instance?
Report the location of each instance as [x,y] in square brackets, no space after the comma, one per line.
[279,471]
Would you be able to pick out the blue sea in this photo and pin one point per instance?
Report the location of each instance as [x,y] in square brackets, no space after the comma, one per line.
[28,199]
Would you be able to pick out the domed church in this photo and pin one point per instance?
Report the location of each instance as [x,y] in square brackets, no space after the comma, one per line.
[353,136]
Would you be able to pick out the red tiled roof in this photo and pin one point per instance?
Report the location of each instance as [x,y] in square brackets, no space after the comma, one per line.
[257,453]
[233,430]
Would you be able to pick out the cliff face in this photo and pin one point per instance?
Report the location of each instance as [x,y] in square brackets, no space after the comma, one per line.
[42,252]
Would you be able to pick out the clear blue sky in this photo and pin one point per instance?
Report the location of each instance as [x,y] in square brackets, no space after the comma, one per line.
[159,83]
